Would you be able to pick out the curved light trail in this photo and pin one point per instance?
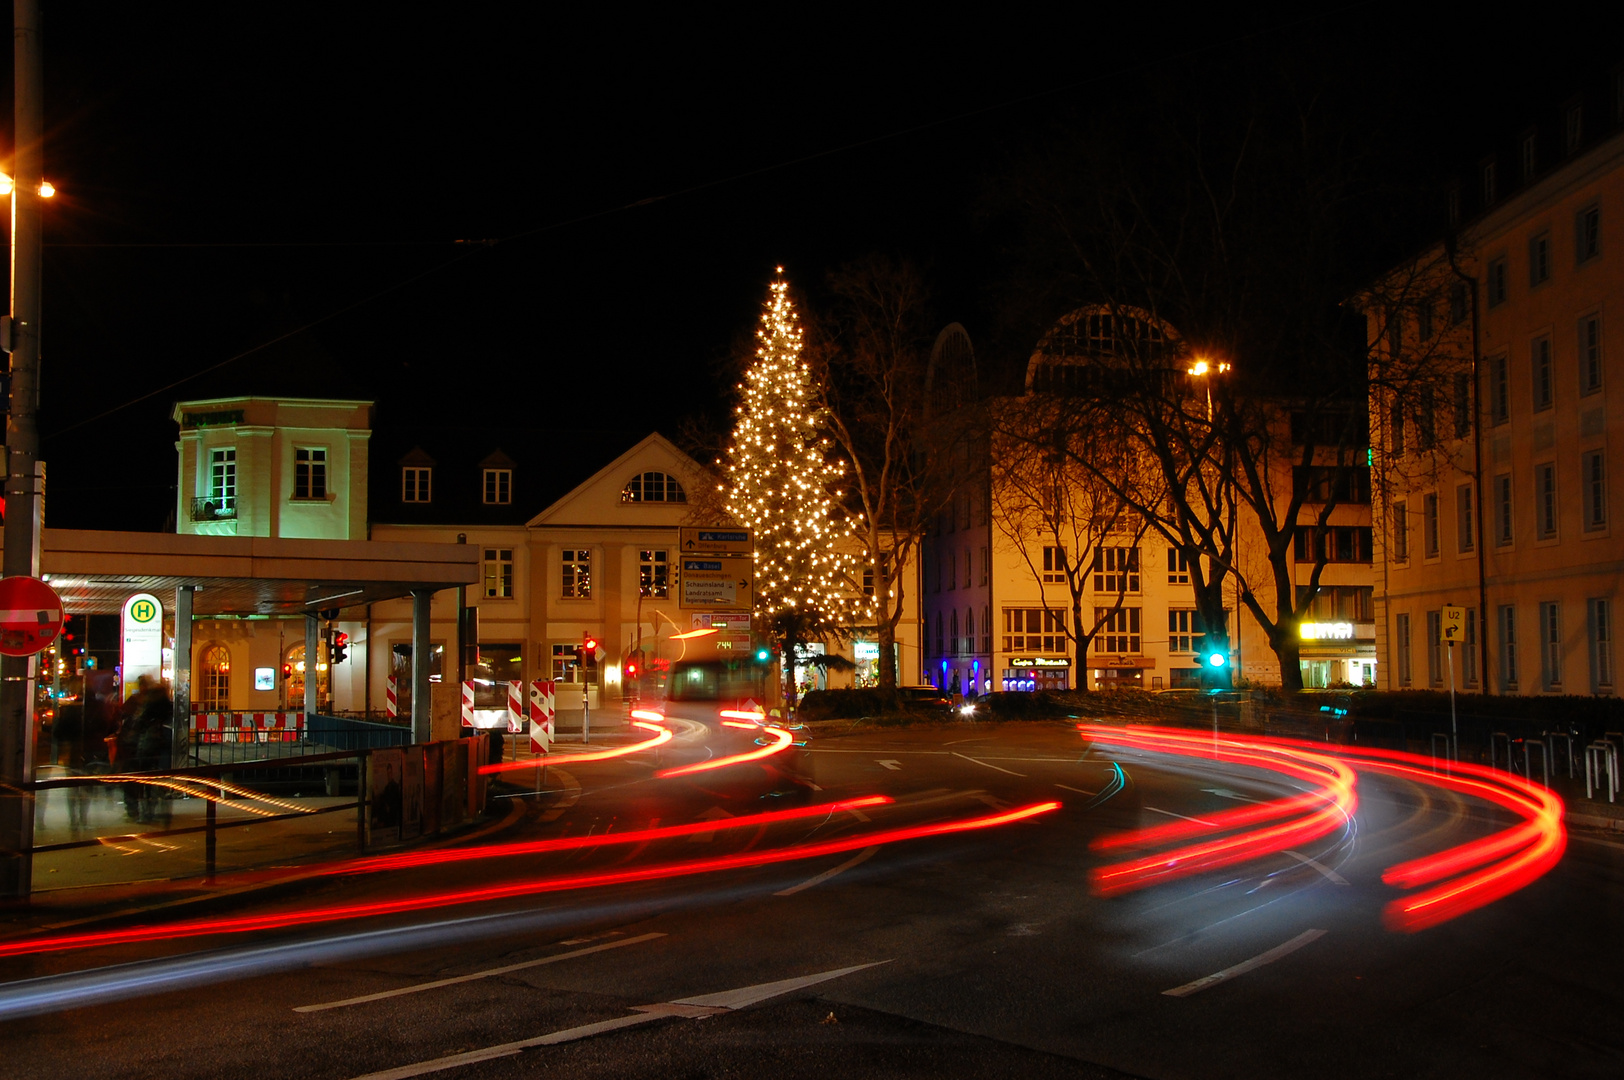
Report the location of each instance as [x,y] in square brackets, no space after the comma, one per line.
[780,741]
[663,736]
[1463,878]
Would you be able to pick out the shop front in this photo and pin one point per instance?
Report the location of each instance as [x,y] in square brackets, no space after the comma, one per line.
[1027,673]
[1337,654]
[1123,672]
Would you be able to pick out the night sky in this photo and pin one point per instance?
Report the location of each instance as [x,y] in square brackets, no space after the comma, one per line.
[476,217]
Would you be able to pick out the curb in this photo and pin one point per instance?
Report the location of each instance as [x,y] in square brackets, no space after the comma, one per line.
[1595,821]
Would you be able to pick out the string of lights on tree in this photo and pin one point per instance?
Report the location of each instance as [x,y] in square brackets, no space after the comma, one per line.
[783,483]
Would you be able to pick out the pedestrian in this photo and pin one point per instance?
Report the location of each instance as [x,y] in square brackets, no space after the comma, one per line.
[68,735]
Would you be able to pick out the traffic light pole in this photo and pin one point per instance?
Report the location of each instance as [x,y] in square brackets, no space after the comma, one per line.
[22,485]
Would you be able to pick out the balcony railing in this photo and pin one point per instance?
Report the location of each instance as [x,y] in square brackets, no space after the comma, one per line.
[214,508]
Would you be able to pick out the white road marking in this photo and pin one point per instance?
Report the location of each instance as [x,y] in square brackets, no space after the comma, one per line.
[861,857]
[1249,965]
[890,763]
[989,765]
[991,800]
[692,1008]
[1186,817]
[476,975]
[1225,793]
[1078,790]
[715,813]
[1331,875]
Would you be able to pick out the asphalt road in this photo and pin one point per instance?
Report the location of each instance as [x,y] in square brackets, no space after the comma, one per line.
[974,953]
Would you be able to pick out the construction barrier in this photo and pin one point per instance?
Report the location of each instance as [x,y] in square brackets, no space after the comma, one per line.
[391,699]
[543,701]
[468,703]
[248,727]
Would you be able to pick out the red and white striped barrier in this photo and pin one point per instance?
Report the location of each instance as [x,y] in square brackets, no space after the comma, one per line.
[515,706]
[468,703]
[543,697]
[391,699]
[248,727]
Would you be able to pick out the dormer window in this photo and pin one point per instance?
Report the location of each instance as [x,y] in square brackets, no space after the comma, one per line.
[498,487]
[653,487]
[416,484]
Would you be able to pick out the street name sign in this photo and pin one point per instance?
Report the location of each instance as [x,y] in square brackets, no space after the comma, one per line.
[30,615]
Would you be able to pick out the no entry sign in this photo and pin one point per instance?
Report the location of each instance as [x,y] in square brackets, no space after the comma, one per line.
[30,615]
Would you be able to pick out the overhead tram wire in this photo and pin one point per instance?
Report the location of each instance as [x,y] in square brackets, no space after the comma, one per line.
[487,245]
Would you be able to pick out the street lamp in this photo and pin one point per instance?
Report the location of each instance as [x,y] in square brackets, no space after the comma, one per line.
[45,190]
[1204,369]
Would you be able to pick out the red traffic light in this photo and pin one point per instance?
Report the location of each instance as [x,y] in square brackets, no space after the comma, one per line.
[590,642]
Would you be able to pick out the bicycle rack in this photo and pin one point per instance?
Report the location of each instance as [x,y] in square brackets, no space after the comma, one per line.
[1544,760]
[1598,754]
[1495,739]
[1436,737]
[1550,749]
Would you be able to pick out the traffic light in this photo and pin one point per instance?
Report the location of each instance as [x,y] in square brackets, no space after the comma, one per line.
[341,645]
[763,654]
[287,673]
[1216,659]
[589,644]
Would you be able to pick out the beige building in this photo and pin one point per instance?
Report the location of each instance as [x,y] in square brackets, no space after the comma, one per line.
[1497,443]
[998,568]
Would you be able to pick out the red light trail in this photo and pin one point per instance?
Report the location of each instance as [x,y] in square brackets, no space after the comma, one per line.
[306,916]
[664,736]
[781,740]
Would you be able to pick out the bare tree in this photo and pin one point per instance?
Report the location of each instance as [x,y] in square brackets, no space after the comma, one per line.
[872,357]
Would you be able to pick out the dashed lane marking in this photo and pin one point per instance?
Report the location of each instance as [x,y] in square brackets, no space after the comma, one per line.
[1208,981]
[861,857]
[1186,817]
[988,764]
[1330,875]
[488,973]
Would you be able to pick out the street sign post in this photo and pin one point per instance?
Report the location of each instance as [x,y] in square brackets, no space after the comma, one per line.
[30,616]
[1452,628]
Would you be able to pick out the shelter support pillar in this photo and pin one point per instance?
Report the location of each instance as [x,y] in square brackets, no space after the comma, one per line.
[180,743]
[422,656]
[312,671]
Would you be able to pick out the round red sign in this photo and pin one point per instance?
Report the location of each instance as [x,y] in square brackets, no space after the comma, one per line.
[30,615]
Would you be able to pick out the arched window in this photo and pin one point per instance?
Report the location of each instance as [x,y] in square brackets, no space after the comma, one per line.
[986,632]
[214,689]
[969,631]
[954,647]
[941,642]
[295,661]
[653,487]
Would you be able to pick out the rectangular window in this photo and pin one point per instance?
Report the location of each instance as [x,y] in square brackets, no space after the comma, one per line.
[223,481]
[575,573]
[1457,303]
[1497,281]
[984,570]
[1587,232]
[566,663]
[1054,565]
[1332,483]
[1435,648]
[1503,507]
[1178,567]
[1119,631]
[1545,500]
[1508,647]
[1395,428]
[1593,470]
[1184,632]
[1590,354]
[1116,570]
[654,574]
[1332,543]
[1465,519]
[1463,404]
[1429,526]
[498,487]
[1401,532]
[1395,334]
[1401,645]
[1426,428]
[310,472]
[1499,389]
[967,578]
[1601,644]
[1423,321]
[1550,642]
[498,572]
[416,484]
[1539,361]
[1539,259]
[1034,630]
[950,559]
[1468,652]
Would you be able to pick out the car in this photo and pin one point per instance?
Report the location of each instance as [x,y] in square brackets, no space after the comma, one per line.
[927,699]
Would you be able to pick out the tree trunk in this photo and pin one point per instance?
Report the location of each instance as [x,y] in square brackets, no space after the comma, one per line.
[1287,648]
[790,649]
[1082,643]
[885,634]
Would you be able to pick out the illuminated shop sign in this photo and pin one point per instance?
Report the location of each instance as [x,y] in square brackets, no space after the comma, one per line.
[1039,661]
[865,650]
[1327,631]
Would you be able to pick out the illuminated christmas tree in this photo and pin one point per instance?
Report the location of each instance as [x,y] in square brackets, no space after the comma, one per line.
[784,484]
